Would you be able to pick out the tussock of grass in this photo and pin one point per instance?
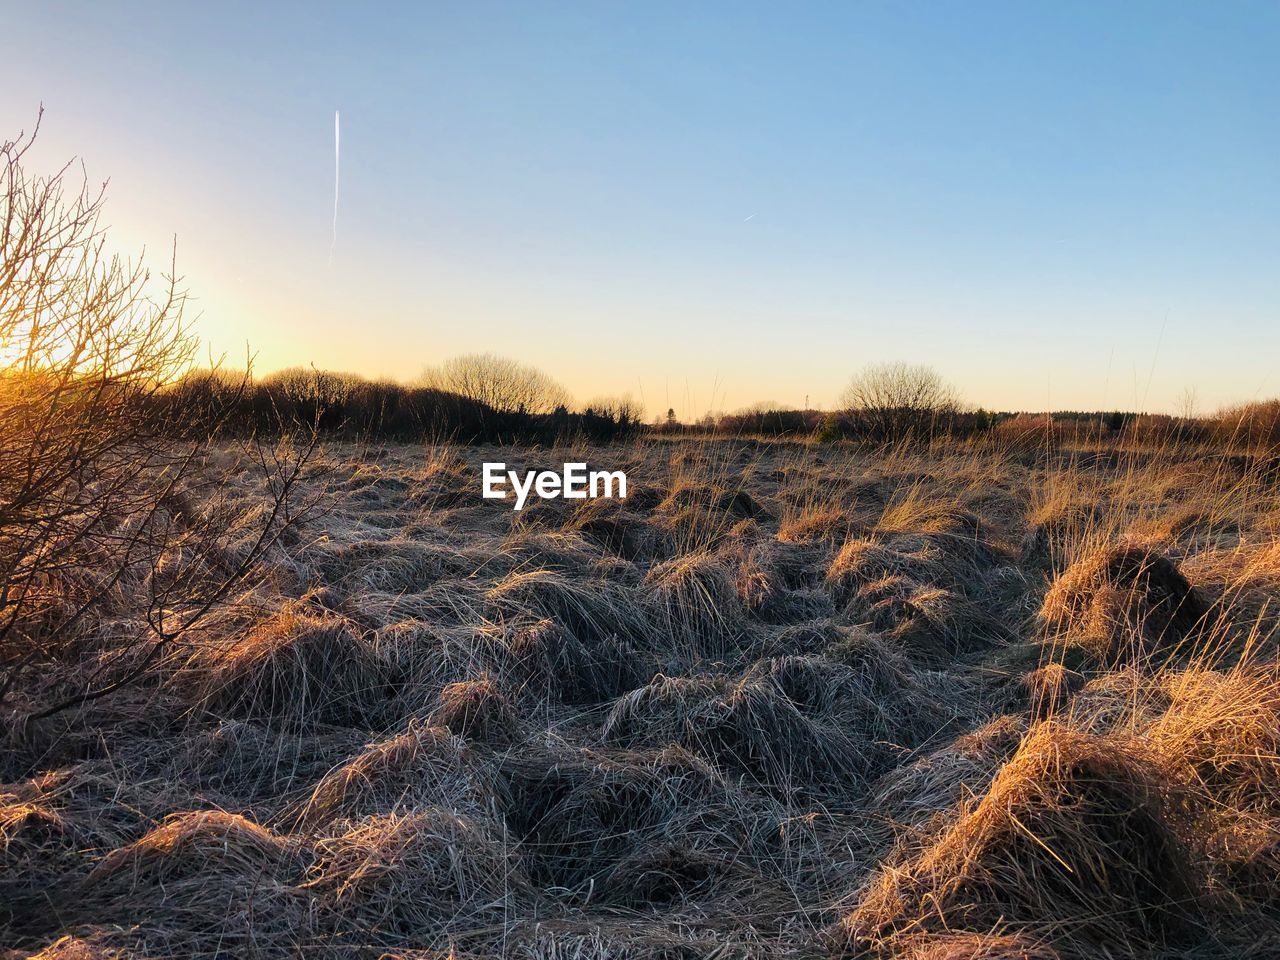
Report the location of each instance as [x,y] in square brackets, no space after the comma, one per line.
[37,848]
[1244,856]
[1050,688]
[749,727]
[869,698]
[477,710]
[911,591]
[414,876]
[296,669]
[1226,729]
[775,582]
[449,603]
[53,825]
[975,946]
[554,665]
[1070,827]
[196,884]
[908,797]
[540,550]
[1124,603]
[188,845]
[636,829]
[77,948]
[696,605]
[591,611]
[821,523]
[1055,526]
[395,566]
[619,530]
[420,766]
[239,760]
[444,483]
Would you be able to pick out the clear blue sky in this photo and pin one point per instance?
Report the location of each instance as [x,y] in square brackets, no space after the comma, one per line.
[1073,204]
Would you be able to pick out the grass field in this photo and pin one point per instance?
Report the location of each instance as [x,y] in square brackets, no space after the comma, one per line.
[947,703]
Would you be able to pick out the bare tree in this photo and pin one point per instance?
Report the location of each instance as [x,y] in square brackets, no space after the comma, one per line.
[896,400]
[308,385]
[108,495]
[504,385]
[621,409]
[1188,403]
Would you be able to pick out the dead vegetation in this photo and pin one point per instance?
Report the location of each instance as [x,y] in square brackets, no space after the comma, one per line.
[1070,827]
[1124,603]
[413,876]
[296,669]
[936,703]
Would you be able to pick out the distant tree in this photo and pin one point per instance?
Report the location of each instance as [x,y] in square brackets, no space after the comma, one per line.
[1256,423]
[672,423]
[504,385]
[309,385]
[622,410]
[894,400]
[1188,403]
[830,429]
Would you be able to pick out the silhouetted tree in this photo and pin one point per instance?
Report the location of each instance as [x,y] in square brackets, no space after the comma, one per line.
[895,400]
[505,386]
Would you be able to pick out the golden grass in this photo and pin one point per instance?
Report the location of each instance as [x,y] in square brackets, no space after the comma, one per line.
[998,701]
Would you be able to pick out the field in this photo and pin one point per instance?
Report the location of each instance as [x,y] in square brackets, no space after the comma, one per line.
[945,702]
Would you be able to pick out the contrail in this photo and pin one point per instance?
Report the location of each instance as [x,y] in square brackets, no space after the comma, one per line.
[337,157]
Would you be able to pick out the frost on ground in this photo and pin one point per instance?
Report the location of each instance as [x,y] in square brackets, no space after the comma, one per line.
[782,700]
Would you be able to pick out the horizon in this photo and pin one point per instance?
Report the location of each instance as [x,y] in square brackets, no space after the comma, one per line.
[655,414]
[702,208]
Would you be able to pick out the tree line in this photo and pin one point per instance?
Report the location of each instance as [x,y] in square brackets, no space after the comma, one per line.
[484,398]
[478,398]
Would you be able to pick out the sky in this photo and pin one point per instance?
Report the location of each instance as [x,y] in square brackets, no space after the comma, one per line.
[1069,206]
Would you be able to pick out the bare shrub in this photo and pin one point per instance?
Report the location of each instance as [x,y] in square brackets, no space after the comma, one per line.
[108,500]
[503,385]
[1251,424]
[893,401]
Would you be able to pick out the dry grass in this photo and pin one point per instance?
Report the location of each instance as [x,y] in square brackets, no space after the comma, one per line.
[412,877]
[199,883]
[297,669]
[1071,827]
[1123,603]
[942,703]
[423,765]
